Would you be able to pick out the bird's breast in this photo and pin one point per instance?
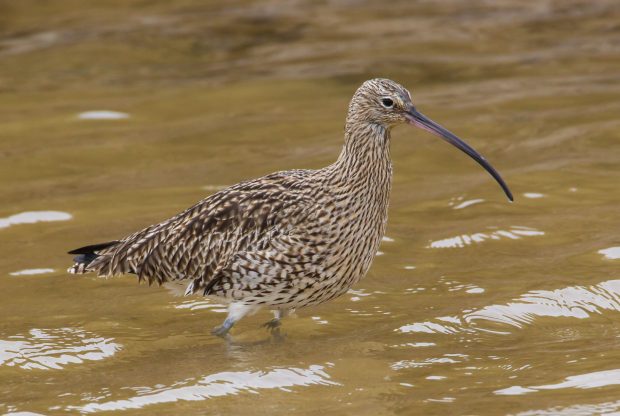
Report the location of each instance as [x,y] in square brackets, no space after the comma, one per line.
[357,227]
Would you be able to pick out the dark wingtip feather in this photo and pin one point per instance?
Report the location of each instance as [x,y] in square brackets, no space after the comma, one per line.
[92,248]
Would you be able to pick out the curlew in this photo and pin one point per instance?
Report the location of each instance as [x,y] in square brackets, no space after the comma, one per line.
[289,239]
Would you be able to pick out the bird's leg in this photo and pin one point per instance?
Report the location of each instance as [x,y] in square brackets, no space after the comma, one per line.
[236,311]
[275,323]
[222,330]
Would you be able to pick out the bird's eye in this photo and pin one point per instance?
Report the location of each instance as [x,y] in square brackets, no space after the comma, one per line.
[387,102]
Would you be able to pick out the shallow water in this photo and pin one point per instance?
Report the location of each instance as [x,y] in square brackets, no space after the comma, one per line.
[120,115]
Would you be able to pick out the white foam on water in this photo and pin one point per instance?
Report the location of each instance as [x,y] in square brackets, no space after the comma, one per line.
[580,381]
[195,305]
[605,408]
[430,328]
[611,253]
[533,195]
[358,292]
[30,272]
[102,115]
[47,349]
[216,385]
[469,203]
[421,344]
[578,302]
[571,302]
[586,381]
[441,400]
[513,391]
[31,217]
[514,233]
[427,362]
[455,286]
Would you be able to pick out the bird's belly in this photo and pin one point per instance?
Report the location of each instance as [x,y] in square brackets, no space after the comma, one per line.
[343,265]
[313,272]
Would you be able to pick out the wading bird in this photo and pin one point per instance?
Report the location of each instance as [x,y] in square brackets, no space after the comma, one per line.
[286,240]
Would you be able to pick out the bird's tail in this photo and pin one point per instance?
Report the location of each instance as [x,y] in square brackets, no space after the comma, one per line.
[86,255]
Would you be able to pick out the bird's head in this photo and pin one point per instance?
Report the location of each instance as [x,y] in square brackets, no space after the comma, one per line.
[386,103]
[380,101]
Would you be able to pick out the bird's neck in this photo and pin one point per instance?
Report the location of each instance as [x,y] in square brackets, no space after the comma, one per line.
[360,182]
[366,152]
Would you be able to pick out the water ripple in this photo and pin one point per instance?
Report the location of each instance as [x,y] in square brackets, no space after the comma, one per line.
[29,272]
[427,362]
[514,233]
[606,408]
[47,349]
[571,302]
[611,253]
[216,385]
[194,305]
[466,204]
[31,217]
[580,381]
[533,195]
[102,115]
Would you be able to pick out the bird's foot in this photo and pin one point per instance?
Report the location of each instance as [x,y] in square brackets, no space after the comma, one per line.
[273,324]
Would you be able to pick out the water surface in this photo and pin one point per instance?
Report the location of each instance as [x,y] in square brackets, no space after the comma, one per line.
[118,115]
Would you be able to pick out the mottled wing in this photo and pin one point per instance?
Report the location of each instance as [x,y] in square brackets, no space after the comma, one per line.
[283,267]
[198,243]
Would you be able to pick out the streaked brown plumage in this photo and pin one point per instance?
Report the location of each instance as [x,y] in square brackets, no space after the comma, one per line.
[286,240]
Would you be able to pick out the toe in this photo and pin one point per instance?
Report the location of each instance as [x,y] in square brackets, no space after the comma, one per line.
[273,324]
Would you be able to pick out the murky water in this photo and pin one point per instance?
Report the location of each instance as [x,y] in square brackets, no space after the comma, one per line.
[121,114]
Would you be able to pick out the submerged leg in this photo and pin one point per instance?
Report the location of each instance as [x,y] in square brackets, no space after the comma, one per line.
[278,314]
[236,311]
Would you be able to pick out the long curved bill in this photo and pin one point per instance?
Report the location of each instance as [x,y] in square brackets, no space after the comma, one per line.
[420,120]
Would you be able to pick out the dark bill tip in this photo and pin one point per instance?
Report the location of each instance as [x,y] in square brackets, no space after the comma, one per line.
[420,120]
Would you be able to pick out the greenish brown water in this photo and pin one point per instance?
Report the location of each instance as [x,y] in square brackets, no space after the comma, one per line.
[476,306]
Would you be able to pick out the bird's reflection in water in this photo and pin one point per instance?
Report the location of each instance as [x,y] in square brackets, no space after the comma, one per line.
[238,348]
